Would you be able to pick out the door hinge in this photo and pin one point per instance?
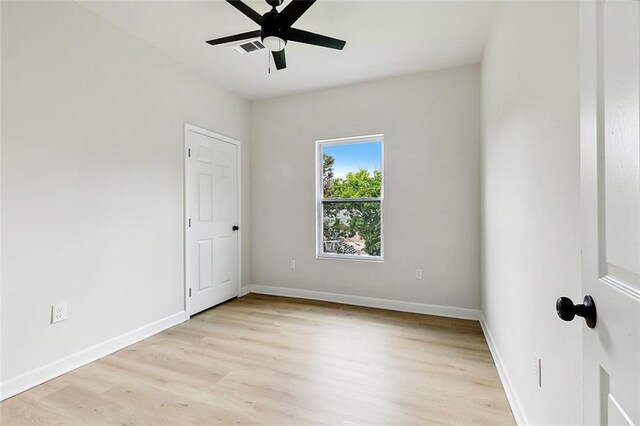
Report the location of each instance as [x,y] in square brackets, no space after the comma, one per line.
[189,152]
[189,222]
[189,292]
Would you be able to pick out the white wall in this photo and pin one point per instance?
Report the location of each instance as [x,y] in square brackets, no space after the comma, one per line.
[431,124]
[531,190]
[92,166]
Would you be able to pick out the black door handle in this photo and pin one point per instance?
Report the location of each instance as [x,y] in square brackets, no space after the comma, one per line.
[567,310]
[235,227]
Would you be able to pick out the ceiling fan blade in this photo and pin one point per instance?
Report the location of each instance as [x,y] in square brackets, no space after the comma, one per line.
[237,37]
[294,10]
[279,59]
[246,10]
[307,37]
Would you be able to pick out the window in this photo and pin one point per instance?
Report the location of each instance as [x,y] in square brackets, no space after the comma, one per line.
[350,188]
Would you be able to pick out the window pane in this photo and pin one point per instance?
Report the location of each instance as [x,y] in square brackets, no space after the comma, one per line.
[351,228]
[352,170]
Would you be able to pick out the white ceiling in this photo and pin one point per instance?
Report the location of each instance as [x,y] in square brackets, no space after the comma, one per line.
[384,39]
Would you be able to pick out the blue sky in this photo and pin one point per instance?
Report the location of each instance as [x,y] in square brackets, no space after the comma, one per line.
[351,157]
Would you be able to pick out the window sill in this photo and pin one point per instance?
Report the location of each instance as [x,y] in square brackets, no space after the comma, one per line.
[378,259]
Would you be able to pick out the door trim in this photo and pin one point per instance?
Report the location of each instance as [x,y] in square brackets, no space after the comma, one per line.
[188,127]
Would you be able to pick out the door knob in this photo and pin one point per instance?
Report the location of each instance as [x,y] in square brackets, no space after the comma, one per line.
[568,311]
[235,227]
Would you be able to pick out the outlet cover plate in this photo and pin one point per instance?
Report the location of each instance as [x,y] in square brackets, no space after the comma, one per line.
[58,313]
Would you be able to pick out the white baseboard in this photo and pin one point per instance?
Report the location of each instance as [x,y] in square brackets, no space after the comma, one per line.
[509,390]
[370,302]
[40,375]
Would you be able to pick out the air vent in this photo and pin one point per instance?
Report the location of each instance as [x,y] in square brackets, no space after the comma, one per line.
[248,46]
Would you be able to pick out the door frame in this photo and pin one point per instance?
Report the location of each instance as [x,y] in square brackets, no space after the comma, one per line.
[188,127]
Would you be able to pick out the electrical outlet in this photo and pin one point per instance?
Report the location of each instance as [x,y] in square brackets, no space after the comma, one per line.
[292,264]
[418,274]
[537,369]
[58,313]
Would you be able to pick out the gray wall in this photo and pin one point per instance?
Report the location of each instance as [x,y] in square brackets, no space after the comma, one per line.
[531,203]
[431,124]
[92,176]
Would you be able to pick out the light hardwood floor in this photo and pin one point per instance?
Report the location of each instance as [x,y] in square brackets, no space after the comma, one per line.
[275,360]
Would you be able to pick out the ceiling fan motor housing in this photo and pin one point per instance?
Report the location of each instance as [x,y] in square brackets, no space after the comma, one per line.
[272,35]
[270,27]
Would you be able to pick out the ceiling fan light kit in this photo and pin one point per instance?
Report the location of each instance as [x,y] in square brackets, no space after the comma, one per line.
[274,43]
[276,29]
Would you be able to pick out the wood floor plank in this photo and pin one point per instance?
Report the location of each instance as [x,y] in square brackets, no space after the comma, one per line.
[275,360]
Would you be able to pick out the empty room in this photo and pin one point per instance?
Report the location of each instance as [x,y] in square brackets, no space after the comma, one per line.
[301,212]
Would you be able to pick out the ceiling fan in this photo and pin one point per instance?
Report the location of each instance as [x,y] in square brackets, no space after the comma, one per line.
[276,29]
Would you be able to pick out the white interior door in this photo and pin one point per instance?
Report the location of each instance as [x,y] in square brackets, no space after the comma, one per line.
[610,144]
[211,213]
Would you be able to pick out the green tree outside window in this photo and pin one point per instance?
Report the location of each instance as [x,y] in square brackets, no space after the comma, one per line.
[346,220]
